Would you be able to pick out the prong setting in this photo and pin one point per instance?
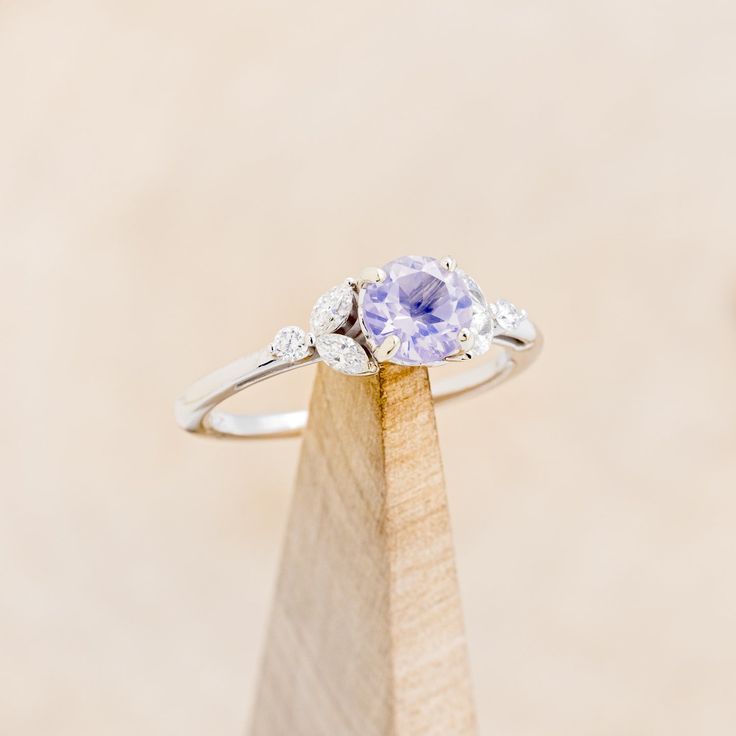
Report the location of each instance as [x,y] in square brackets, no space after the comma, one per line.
[466,339]
[448,263]
[371,275]
[387,349]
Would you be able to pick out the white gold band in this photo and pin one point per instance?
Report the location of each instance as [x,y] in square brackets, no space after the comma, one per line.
[195,410]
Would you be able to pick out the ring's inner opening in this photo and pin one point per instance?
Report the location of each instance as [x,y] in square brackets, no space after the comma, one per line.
[279,408]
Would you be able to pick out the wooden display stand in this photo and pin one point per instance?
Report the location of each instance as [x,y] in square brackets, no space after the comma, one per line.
[366,635]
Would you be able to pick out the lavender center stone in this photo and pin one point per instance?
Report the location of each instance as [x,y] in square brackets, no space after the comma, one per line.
[422,303]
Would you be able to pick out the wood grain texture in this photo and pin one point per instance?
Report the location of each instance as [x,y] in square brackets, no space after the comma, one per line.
[366,636]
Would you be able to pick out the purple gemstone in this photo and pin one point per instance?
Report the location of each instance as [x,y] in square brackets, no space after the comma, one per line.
[423,303]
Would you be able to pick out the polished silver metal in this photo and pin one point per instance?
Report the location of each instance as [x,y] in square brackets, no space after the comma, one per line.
[196,410]
[466,339]
[387,349]
[371,275]
[448,263]
[466,343]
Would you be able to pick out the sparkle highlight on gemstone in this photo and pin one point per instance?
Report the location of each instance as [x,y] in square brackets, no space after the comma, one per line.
[508,316]
[332,310]
[420,302]
[482,323]
[291,344]
[345,355]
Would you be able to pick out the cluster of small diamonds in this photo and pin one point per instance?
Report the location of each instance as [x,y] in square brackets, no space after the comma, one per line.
[340,352]
[490,319]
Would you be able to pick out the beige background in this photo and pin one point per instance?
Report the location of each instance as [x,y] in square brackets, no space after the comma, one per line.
[178,180]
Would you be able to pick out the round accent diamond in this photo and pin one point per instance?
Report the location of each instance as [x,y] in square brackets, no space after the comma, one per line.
[508,315]
[421,302]
[331,310]
[344,355]
[291,343]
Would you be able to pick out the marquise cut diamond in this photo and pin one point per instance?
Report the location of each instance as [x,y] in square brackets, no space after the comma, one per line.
[331,310]
[344,355]
[508,315]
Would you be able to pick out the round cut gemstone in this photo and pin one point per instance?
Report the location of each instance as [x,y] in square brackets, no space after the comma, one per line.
[422,303]
[290,343]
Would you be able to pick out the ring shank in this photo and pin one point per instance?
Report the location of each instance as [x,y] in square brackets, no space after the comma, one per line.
[196,410]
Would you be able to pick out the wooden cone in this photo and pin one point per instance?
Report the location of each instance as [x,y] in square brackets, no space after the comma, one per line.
[366,635]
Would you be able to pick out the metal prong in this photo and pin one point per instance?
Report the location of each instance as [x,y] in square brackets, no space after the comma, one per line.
[387,349]
[459,357]
[352,283]
[311,340]
[466,339]
[372,369]
[448,263]
[371,275]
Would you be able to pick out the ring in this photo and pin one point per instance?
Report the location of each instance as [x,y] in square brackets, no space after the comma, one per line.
[414,311]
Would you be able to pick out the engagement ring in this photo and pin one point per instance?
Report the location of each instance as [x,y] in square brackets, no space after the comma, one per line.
[414,311]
